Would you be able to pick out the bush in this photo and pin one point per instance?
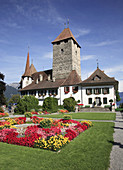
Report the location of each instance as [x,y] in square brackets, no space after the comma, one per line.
[1,110]
[50,104]
[46,123]
[69,104]
[121,105]
[28,114]
[119,109]
[87,106]
[67,117]
[25,104]
[107,106]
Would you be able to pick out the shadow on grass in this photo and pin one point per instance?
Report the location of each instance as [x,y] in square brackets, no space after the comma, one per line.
[116,143]
[118,128]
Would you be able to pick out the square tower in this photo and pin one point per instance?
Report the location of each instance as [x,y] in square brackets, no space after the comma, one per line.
[66,55]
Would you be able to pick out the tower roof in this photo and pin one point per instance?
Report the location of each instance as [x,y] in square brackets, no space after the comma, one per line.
[32,69]
[65,34]
[27,72]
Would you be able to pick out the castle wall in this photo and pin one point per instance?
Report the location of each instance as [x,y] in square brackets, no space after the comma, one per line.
[66,57]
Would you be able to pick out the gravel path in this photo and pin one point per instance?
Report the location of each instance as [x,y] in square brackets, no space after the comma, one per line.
[116,156]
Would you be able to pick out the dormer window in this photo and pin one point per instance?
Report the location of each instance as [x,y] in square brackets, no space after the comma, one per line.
[40,77]
[96,78]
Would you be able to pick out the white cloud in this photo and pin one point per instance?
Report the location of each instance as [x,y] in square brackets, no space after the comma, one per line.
[81,32]
[48,55]
[114,69]
[105,43]
[88,57]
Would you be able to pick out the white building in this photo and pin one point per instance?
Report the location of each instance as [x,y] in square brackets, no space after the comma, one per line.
[64,80]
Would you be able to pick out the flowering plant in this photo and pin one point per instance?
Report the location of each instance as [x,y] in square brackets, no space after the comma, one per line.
[28,114]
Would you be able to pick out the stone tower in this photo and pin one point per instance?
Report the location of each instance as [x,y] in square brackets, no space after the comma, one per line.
[66,55]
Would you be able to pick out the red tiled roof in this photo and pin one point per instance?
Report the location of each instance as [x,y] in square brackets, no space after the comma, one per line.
[72,79]
[65,34]
[102,79]
[32,69]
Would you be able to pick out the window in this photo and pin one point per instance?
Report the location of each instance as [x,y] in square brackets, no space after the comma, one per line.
[105,90]
[62,51]
[75,89]
[88,91]
[97,91]
[32,93]
[104,100]
[66,90]
[65,41]
[90,101]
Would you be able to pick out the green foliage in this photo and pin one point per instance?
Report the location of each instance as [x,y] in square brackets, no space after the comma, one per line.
[119,109]
[111,100]
[26,104]
[69,104]
[45,123]
[14,99]
[28,114]
[67,117]
[1,110]
[50,104]
[78,101]
[107,106]
[121,105]
[60,107]
[87,106]
[117,96]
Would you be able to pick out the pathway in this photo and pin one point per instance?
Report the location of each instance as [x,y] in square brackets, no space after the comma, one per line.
[116,156]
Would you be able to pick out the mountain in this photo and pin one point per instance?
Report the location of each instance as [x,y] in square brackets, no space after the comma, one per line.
[15,85]
[121,96]
[10,91]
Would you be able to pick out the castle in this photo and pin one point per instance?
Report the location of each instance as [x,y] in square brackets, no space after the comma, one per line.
[64,80]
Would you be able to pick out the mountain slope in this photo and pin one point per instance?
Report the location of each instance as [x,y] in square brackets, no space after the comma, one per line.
[10,91]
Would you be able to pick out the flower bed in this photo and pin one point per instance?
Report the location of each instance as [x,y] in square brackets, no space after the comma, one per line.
[57,135]
[4,114]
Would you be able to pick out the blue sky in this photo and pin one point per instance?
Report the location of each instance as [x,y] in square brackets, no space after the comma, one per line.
[96,24]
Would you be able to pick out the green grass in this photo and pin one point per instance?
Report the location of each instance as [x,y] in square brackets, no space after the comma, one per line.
[90,150]
[88,116]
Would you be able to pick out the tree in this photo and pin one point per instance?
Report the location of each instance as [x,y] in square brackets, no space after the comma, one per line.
[117,96]
[14,99]
[2,89]
[26,103]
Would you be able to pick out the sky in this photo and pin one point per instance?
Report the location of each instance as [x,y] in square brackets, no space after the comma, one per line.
[97,26]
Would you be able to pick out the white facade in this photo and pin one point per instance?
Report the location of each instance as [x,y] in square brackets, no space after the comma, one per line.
[26,81]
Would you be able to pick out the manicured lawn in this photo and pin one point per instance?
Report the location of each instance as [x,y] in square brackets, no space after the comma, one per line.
[87,116]
[90,150]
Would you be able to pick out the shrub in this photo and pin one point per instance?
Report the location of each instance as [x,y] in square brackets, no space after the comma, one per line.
[28,114]
[50,104]
[26,104]
[1,110]
[87,106]
[111,100]
[45,123]
[69,104]
[67,117]
[121,105]
[119,109]
[107,106]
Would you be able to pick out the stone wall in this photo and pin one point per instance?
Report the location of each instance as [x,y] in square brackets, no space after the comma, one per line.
[66,57]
